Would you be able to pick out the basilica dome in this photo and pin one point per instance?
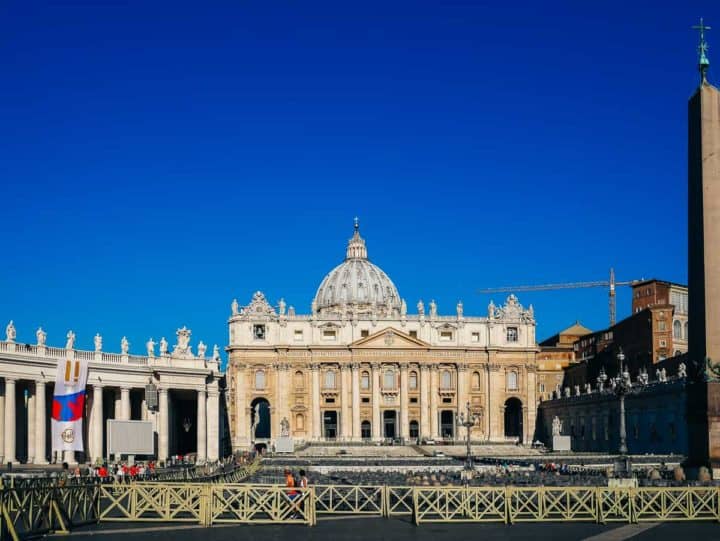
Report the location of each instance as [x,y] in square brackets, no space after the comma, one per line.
[356,286]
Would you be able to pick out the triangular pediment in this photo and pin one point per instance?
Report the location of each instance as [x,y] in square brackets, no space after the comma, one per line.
[389,338]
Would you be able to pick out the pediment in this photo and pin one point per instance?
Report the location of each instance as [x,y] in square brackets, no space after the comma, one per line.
[389,338]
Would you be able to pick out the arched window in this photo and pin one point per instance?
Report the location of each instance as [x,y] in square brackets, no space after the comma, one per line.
[512,381]
[329,379]
[677,330]
[365,430]
[299,380]
[446,379]
[260,379]
[389,379]
[685,334]
[365,380]
[413,380]
[476,380]
[299,422]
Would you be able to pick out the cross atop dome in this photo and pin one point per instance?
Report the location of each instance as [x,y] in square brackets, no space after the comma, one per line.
[356,248]
[703,61]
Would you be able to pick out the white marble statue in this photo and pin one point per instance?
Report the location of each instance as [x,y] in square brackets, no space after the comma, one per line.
[124,346]
[567,392]
[98,342]
[183,340]
[234,307]
[577,390]
[682,370]
[256,421]
[70,344]
[421,307]
[291,311]
[588,388]
[150,345]
[284,427]
[663,375]
[460,309]
[216,353]
[281,307]
[556,426]
[433,308]
[202,348]
[163,346]
[10,333]
[491,310]
[41,336]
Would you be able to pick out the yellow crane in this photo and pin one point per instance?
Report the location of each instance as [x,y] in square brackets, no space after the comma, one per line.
[611,284]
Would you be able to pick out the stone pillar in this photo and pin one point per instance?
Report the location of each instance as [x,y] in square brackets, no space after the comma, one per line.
[315,402]
[356,435]
[213,424]
[164,428]
[531,407]
[31,426]
[404,402]
[240,430]
[424,401]
[488,402]
[10,431]
[202,425]
[40,423]
[496,407]
[376,428]
[2,423]
[124,404]
[346,400]
[434,421]
[462,398]
[96,430]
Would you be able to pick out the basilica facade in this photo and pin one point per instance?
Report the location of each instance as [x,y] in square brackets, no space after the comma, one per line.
[359,367]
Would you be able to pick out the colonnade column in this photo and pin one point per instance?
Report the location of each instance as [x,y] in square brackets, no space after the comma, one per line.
[356,435]
[2,424]
[462,398]
[96,430]
[201,426]
[376,432]
[40,423]
[10,420]
[31,426]
[404,425]
[124,404]
[424,405]
[494,407]
[315,403]
[433,402]
[346,415]
[163,429]
[241,426]
[213,424]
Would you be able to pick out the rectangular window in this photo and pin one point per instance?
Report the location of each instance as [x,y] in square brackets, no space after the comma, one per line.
[413,334]
[364,333]
[329,400]
[661,325]
[365,400]
[475,337]
[446,336]
[259,332]
[512,334]
[298,335]
[447,400]
[413,400]
[329,334]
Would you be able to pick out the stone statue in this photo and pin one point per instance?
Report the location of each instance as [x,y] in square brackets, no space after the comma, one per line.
[10,332]
[313,307]
[643,377]
[682,370]
[460,309]
[421,307]
[41,336]
[163,346]
[577,390]
[663,375]
[234,307]
[70,344]
[202,348]
[183,340]
[403,308]
[567,392]
[124,346]
[588,388]
[98,342]
[491,310]
[216,353]
[291,311]
[281,307]
[284,428]
[556,426]
[150,345]
[433,308]
[256,421]
[531,312]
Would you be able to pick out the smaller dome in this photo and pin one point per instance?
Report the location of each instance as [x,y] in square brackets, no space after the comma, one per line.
[356,285]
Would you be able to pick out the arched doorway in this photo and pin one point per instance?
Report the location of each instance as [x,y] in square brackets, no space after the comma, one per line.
[389,422]
[330,424]
[260,419]
[513,418]
[447,424]
[365,430]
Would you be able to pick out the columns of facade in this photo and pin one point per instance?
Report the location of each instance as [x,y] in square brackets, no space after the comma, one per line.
[356,434]
[495,408]
[2,423]
[531,406]
[462,398]
[124,404]
[164,428]
[488,403]
[315,402]
[346,400]
[376,431]
[202,426]
[40,423]
[31,425]
[10,431]
[282,399]
[241,425]
[213,424]
[424,401]
[404,402]
[434,433]
[96,429]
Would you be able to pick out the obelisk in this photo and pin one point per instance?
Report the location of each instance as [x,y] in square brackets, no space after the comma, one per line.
[704,267]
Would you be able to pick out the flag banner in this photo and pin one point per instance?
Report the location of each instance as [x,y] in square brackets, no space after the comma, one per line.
[69,405]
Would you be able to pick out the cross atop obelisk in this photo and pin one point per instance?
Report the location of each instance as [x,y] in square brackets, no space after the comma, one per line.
[703,61]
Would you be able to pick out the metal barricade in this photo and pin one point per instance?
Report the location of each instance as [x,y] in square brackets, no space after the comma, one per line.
[551,504]
[260,504]
[350,500]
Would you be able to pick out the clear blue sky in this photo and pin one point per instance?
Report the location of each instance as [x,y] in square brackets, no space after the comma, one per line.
[159,159]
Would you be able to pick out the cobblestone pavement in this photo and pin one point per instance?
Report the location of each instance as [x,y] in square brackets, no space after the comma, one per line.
[381,529]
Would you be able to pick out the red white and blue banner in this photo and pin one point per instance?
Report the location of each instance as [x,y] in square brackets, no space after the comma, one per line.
[69,405]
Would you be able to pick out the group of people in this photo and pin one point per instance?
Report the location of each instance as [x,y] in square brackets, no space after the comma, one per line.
[118,471]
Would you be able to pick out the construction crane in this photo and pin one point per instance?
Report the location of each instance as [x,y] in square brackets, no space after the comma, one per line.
[611,284]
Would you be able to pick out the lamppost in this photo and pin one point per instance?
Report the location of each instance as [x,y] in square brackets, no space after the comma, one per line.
[468,419]
[622,386]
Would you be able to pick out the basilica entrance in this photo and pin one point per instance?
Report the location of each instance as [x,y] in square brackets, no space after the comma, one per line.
[330,425]
[447,424]
[390,424]
[513,418]
[260,419]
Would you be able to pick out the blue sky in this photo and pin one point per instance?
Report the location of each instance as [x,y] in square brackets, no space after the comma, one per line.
[159,159]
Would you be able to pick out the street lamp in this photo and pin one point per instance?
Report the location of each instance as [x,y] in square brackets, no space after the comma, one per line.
[622,386]
[468,419]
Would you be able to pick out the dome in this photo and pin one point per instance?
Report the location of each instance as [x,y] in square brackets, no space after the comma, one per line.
[357,286]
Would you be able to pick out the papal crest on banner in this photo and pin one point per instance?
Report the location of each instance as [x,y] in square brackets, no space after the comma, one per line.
[69,405]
